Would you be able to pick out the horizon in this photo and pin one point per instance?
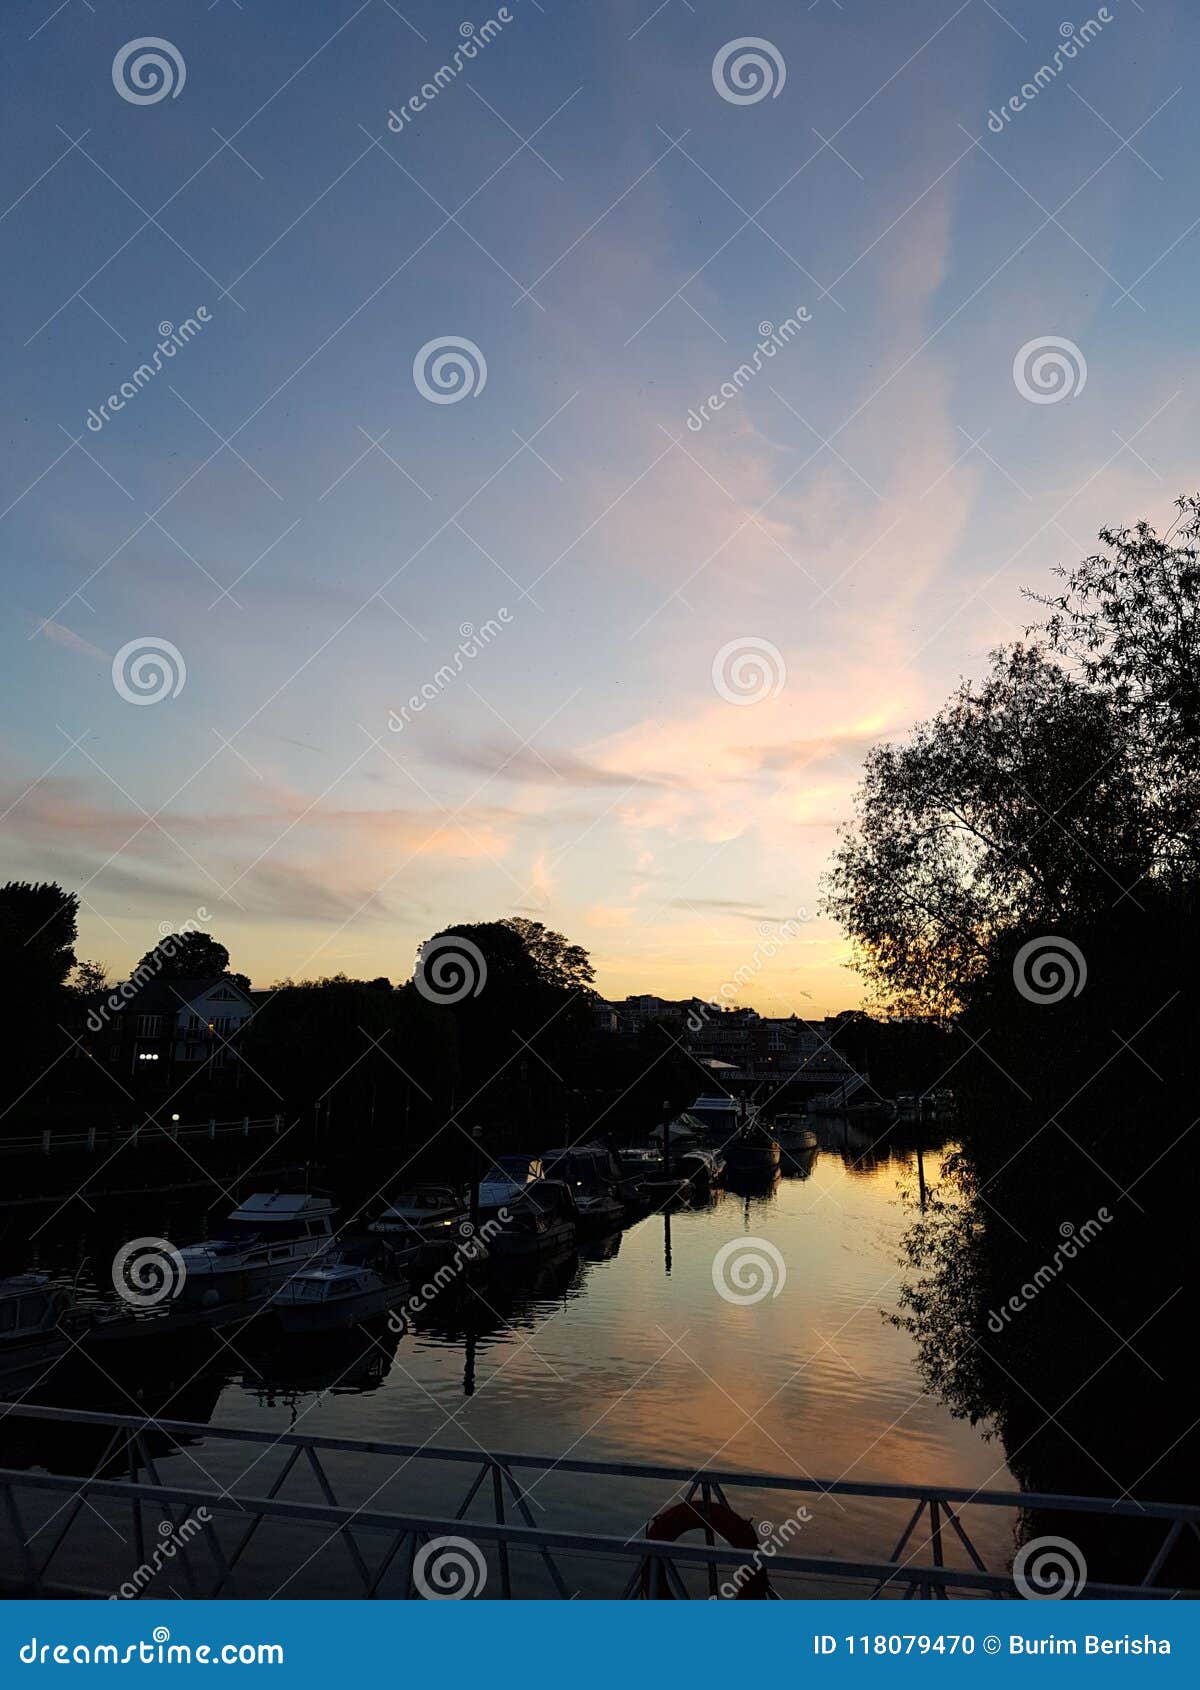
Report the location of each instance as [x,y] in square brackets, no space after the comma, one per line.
[753,462]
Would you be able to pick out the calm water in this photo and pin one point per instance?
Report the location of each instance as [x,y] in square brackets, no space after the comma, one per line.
[635,1356]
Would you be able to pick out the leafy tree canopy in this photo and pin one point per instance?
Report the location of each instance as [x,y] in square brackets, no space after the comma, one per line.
[1037,798]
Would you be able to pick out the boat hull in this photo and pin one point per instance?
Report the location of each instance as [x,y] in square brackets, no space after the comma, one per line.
[519,1242]
[25,1361]
[756,1156]
[238,1283]
[334,1314]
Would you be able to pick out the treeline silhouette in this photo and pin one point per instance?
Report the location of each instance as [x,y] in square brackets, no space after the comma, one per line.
[378,1075]
[1024,870]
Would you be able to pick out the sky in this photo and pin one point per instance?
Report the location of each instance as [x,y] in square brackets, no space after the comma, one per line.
[650,639]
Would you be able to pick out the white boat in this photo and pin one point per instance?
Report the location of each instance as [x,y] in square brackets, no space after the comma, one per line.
[542,1217]
[427,1217]
[338,1290]
[32,1338]
[508,1179]
[261,1245]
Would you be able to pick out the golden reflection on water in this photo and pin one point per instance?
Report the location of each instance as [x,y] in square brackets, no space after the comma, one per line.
[635,1355]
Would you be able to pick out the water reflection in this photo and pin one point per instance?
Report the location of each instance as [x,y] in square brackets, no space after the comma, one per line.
[621,1350]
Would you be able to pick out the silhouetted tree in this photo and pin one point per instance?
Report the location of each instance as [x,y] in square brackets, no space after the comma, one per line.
[190,955]
[1016,808]
[559,963]
[1052,809]
[37,937]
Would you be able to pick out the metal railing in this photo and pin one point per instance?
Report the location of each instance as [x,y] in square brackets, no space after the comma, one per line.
[92,1139]
[56,1530]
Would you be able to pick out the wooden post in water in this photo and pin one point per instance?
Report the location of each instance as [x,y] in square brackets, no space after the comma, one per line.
[921,1187]
[476,1136]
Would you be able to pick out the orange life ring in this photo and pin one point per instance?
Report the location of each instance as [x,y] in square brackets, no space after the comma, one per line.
[737,1531]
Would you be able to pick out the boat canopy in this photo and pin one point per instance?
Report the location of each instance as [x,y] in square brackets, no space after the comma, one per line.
[683,1128]
[267,1207]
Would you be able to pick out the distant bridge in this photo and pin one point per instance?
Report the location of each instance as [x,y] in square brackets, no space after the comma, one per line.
[239,1536]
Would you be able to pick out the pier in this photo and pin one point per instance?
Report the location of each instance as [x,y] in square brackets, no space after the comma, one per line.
[354,1521]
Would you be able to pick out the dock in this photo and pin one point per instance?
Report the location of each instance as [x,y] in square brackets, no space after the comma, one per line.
[361,1518]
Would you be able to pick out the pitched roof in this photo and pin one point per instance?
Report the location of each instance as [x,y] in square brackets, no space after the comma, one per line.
[161,996]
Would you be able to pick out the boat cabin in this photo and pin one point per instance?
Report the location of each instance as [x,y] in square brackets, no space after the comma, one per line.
[28,1303]
[590,1167]
[280,1217]
[508,1178]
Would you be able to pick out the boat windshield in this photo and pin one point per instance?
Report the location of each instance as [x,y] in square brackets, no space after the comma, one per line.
[279,1232]
[516,1167]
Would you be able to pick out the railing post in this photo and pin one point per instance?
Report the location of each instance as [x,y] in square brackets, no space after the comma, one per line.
[498,1498]
[212,1127]
[935,1533]
[91,1138]
[278,1122]
[46,1142]
[245,1126]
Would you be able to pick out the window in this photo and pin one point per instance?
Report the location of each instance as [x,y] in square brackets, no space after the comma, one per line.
[149,1026]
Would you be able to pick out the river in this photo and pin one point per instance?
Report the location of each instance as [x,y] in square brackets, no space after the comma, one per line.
[635,1350]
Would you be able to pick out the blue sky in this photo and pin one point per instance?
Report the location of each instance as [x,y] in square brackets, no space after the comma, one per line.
[584,207]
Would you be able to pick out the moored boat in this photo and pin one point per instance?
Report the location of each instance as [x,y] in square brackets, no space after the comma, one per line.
[753,1146]
[508,1178]
[424,1219]
[793,1134]
[595,1177]
[33,1313]
[704,1169]
[542,1217]
[350,1283]
[263,1242]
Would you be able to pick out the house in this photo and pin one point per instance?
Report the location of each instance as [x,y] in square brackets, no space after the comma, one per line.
[165,1029]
